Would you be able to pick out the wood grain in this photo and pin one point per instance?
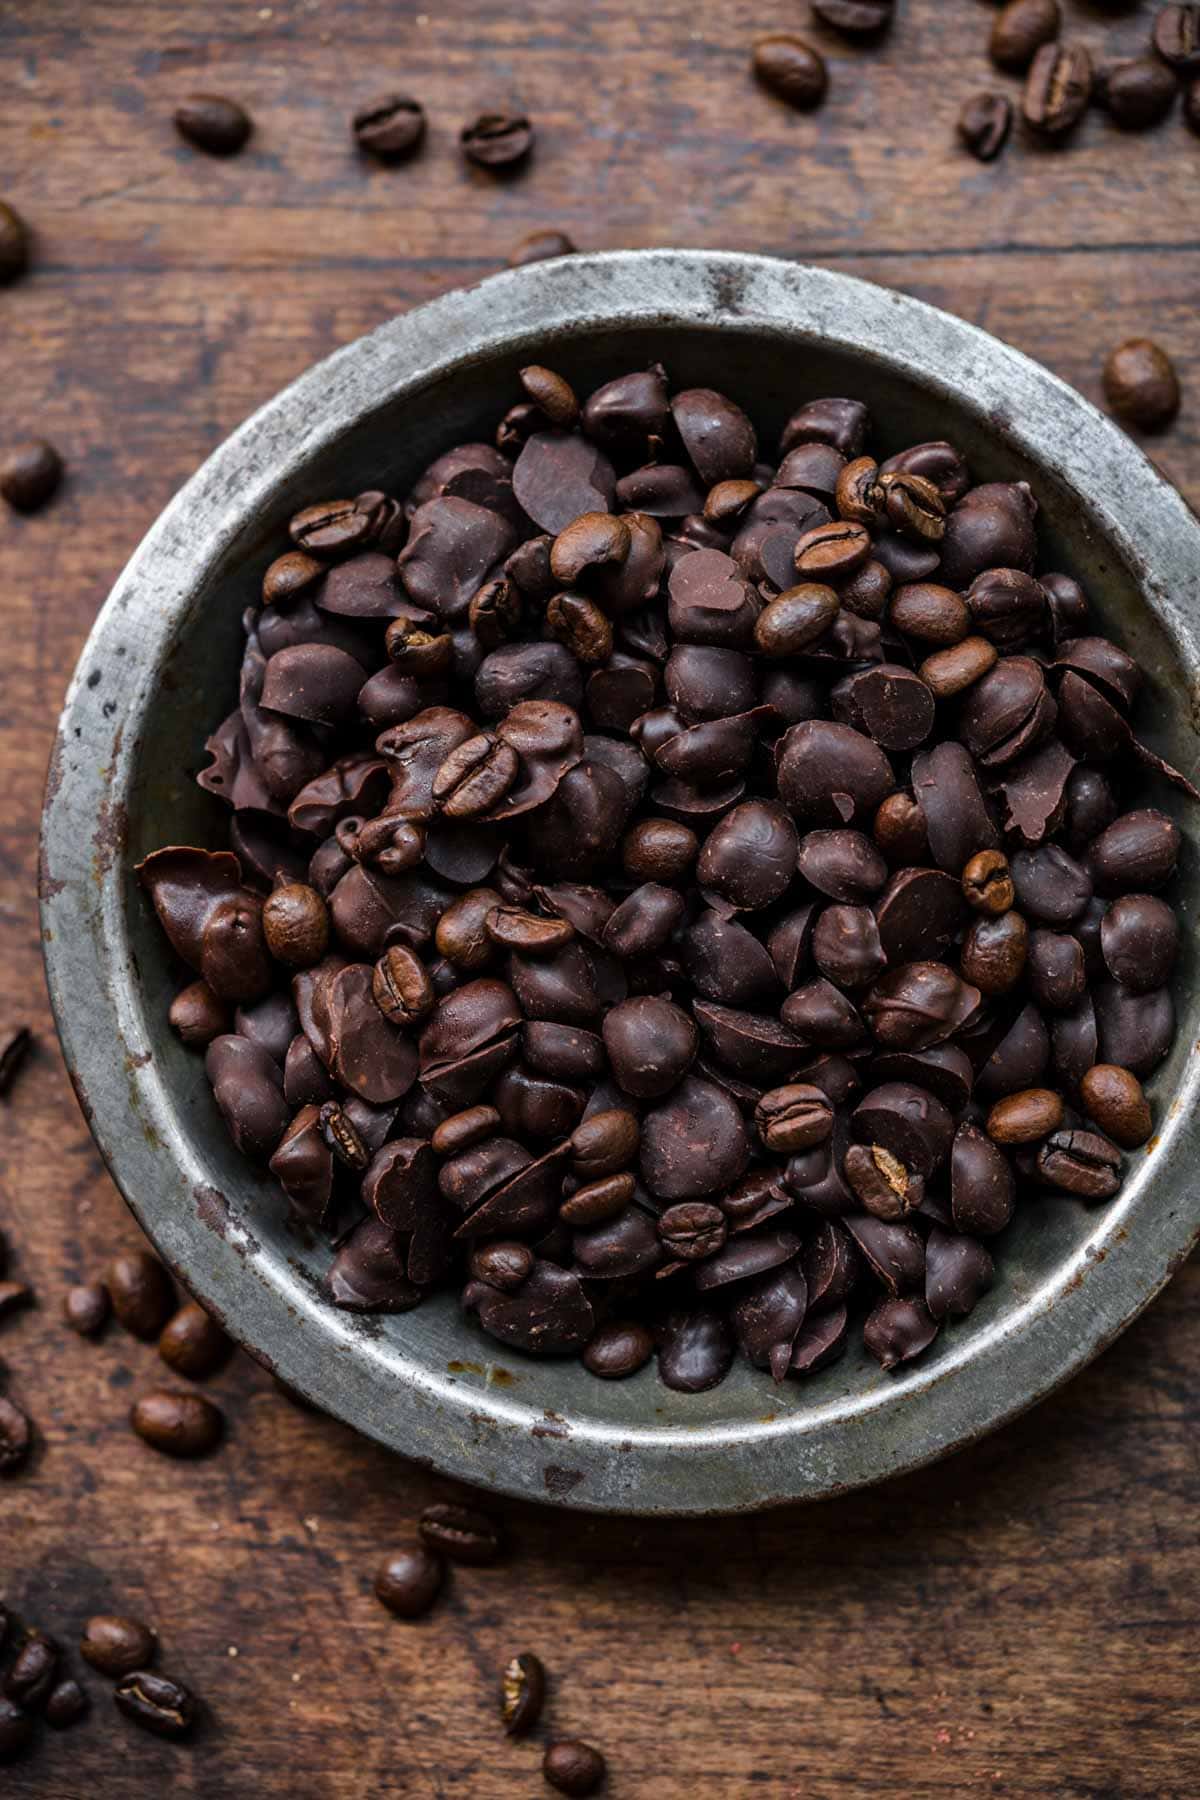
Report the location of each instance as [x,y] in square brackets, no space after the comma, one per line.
[1019,1622]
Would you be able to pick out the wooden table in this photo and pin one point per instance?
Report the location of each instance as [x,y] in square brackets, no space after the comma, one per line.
[1018,1622]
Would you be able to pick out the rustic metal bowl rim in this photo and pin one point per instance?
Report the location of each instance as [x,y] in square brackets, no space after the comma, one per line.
[479,1433]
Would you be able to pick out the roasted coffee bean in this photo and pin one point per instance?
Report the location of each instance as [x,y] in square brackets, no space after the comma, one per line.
[573,1767]
[596,1201]
[14,244]
[913,505]
[497,140]
[177,1423]
[503,1266]
[529,934]
[899,829]
[796,619]
[193,1344]
[408,1581]
[660,850]
[935,615]
[156,1703]
[794,1118]
[832,552]
[692,1231]
[463,1129]
[117,1645]
[1137,93]
[588,545]
[541,246]
[954,670]
[855,18]
[605,1143]
[986,883]
[401,987]
[460,1533]
[1116,1100]
[1140,384]
[522,1693]
[65,1705]
[1026,1117]
[791,70]
[198,1016]
[1177,37]
[461,933]
[994,953]
[295,922]
[1019,31]
[1080,1162]
[31,1675]
[553,395]
[141,1294]
[390,127]
[30,474]
[727,501]
[86,1308]
[883,1186]
[1057,89]
[213,123]
[578,623]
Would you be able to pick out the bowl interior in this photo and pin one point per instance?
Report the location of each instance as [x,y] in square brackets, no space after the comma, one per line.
[473,1385]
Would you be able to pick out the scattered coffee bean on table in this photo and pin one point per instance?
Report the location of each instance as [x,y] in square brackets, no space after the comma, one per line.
[116,1645]
[177,1422]
[855,18]
[14,243]
[522,1694]
[17,1729]
[541,246]
[1140,384]
[156,1703]
[1020,29]
[573,1767]
[1137,93]
[497,140]
[1057,89]
[984,124]
[728,865]
[141,1293]
[66,1704]
[212,123]
[30,474]
[390,127]
[193,1344]
[409,1581]
[791,69]
[86,1308]
[461,1533]
[1176,37]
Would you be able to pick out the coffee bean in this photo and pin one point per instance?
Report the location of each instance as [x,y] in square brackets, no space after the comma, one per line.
[117,1645]
[156,1703]
[66,1704]
[994,953]
[854,18]
[461,1533]
[1136,94]
[31,1675]
[1176,37]
[177,1423]
[795,619]
[936,615]
[1080,1162]
[141,1293]
[578,623]
[198,1016]
[597,1201]
[831,552]
[1019,31]
[1026,1117]
[1140,384]
[86,1308]
[883,1186]
[541,246]
[1057,89]
[953,671]
[791,70]
[503,1266]
[522,1693]
[390,127]
[794,1117]
[986,883]
[409,1581]
[1116,1100]
[16,1731]
[914,505]
[401,987]
[295,923]
[193,1344]
[573,1767]
[554,396]
[497,140]
[30,474]
[213,123]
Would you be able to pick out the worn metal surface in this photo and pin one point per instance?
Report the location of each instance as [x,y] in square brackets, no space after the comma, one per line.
[160,669]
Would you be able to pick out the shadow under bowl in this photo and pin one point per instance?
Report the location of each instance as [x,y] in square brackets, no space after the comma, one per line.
[159,672]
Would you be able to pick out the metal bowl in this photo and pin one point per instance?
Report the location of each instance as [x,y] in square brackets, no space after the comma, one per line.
[160,669]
